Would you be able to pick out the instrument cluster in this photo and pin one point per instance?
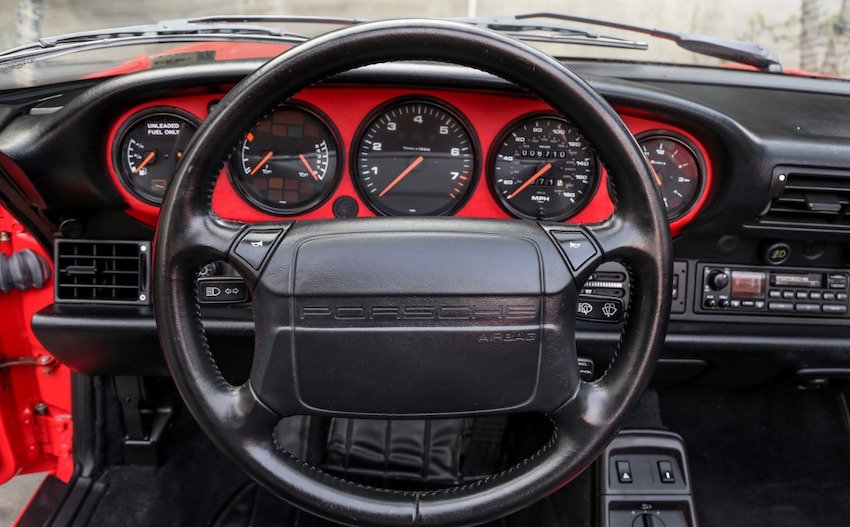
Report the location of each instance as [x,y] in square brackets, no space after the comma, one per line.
[395,153]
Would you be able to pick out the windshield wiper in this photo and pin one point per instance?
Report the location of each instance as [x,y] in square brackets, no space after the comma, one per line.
[520,29]
[737,51]
[169,30]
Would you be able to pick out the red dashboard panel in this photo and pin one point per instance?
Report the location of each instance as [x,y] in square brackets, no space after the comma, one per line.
[347,106]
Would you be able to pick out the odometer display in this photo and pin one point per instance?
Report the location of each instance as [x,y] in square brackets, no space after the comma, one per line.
[415,158]
[543,169]
[289,162]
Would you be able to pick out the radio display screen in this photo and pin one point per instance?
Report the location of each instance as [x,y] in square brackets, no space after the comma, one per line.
[746,284]
[797,279]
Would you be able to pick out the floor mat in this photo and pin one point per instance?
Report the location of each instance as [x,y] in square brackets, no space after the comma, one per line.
[187,490]
[768,458]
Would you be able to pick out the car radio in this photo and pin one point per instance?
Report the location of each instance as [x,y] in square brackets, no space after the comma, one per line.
[759,290]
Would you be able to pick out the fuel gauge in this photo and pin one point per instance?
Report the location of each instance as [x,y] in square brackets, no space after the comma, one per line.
[149,147]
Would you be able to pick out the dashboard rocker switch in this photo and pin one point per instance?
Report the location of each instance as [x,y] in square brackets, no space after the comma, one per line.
[624,472]
[665,471]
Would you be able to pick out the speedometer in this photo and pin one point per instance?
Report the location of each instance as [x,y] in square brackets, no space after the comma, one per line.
[543,169]
[415,158]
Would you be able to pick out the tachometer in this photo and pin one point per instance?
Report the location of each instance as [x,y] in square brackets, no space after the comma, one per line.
[150,145]
[543,169]
[289,162]
[678,167]
[415,158]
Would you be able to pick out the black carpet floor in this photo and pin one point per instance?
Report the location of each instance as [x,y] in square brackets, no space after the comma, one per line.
[773,458]
[188,490]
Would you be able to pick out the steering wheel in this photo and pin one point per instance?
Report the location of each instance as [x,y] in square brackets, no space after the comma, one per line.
[411,317]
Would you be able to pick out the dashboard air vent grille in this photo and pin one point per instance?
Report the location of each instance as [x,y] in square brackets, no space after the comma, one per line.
[102,271]
[809,198]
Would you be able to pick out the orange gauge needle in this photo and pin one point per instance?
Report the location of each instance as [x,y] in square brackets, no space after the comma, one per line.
[309,168]
[654,173]
[402,175]
[532,179]
[148,159]
[262,162]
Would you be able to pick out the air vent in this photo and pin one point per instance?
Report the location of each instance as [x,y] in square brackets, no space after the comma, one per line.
[114,272]
[809,198]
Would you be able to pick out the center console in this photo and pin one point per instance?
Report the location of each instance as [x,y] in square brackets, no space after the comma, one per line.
[644,481]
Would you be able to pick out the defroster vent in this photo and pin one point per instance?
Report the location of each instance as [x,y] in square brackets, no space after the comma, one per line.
[115,272]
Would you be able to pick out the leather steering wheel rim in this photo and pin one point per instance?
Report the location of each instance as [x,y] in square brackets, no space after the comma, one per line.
[190,235]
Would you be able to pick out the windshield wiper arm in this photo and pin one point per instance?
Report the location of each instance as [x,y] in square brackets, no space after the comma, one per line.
[168,28]
[738,51]
[549,32]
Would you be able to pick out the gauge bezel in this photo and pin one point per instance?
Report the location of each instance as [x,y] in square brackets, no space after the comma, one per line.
[694,151]
[118,143]
[494,152]
[320,198]
[386,106]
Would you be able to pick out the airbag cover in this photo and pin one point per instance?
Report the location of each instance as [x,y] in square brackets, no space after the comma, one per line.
[378,320]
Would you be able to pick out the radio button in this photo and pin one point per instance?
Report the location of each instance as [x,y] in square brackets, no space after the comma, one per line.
[835,309]
[828,295]
[815,295]
[788,294]
[802,295]
[775,293]
[748,303]
[780,306]
[759,304]
[807,308]
[841,296]
[736,304]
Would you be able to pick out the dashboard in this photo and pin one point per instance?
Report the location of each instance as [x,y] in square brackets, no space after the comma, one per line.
[357,151]
[752,167]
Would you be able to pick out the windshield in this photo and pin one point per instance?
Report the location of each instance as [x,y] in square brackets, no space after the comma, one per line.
[809,36]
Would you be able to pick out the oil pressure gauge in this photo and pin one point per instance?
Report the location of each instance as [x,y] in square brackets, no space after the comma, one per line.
[149,147]
[679,170]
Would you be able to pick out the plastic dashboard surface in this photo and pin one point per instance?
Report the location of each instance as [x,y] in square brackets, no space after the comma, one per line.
[487,113]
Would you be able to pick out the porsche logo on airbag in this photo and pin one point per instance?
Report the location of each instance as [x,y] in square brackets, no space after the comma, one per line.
[423,312]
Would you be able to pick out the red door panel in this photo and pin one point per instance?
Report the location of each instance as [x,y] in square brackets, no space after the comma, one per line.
[35,390]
